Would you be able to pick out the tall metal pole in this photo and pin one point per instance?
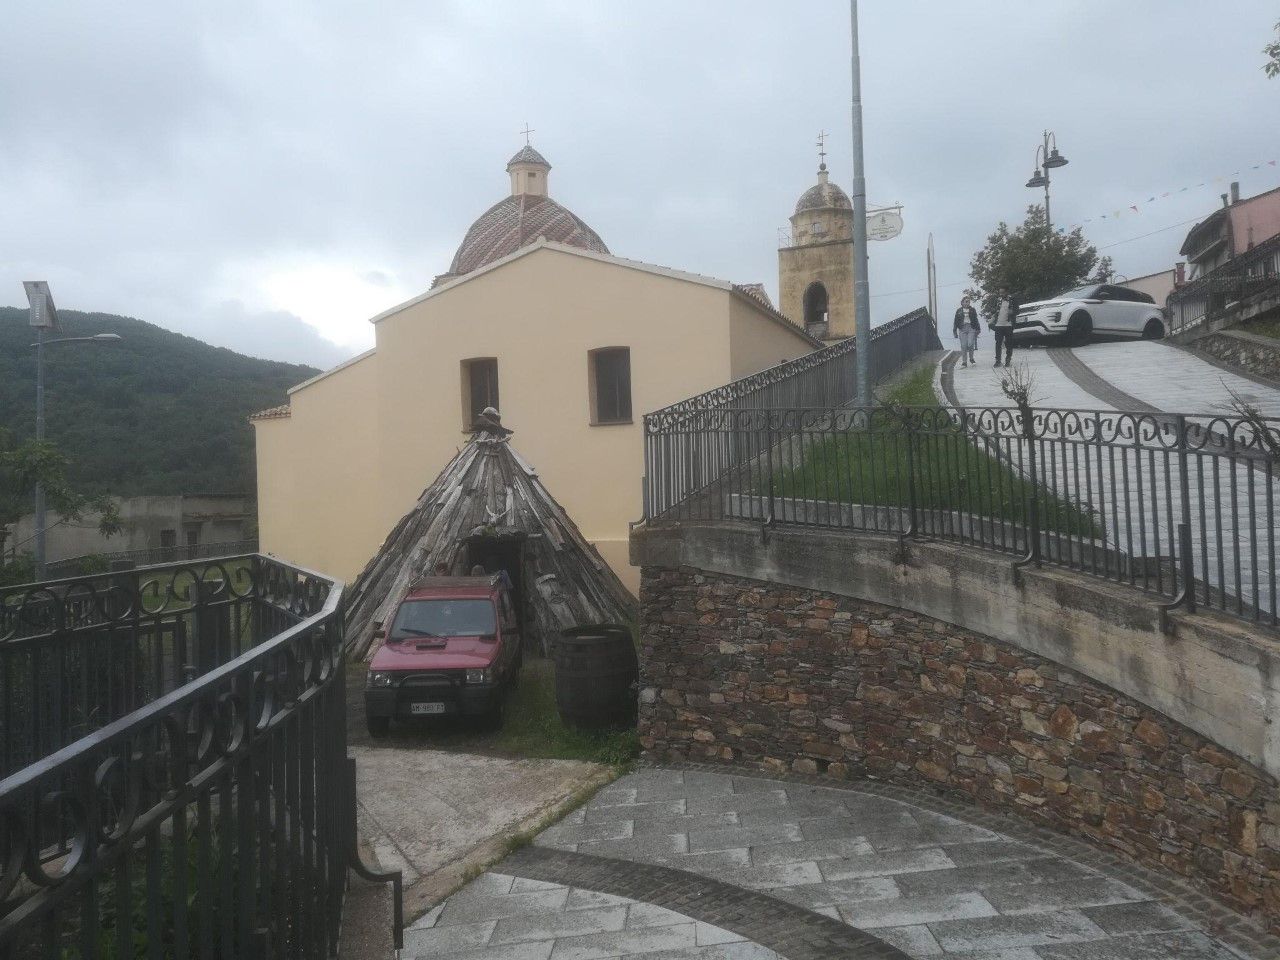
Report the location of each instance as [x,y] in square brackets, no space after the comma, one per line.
[1048,222]
[40,511]
[861,286]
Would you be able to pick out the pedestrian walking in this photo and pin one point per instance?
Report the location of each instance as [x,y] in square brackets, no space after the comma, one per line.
[1002,325]
[966,328]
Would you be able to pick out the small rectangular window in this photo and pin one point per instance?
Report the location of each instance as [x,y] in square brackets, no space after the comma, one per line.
[168,538]
[479,388]
[611,385]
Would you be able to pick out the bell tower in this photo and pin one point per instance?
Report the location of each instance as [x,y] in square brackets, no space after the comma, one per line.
[815,268]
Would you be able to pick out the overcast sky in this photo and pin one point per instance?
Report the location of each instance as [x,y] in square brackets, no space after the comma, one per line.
[267,176]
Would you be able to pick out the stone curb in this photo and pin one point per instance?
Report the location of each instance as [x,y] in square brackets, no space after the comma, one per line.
[1235,930]
[793,932]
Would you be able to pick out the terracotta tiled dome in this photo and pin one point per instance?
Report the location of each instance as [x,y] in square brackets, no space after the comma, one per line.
[514,222]
[823,195]
[520,219]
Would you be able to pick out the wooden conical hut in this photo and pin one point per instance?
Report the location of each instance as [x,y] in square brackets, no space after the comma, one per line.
[489,508]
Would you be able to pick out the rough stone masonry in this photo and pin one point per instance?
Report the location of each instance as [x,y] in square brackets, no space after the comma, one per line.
[790,679]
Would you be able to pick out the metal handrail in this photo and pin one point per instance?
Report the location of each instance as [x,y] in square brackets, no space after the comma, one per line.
[216,817]
[1101,492]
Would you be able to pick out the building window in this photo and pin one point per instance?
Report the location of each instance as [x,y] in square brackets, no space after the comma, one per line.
[479,388]
[610,375]
[818,228]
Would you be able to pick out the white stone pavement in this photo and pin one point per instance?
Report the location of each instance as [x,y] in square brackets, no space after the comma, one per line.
[931,885]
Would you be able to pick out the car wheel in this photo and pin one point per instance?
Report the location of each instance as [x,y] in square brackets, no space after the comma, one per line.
[1079,328]
[379,727]
[1154,330]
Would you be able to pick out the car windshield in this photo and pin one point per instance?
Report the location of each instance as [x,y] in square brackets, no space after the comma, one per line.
[1080,293]
[444,618]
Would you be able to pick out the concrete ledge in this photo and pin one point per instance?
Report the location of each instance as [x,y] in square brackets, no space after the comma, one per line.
[1214,675]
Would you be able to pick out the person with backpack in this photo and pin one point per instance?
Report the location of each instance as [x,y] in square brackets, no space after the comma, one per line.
[966,328]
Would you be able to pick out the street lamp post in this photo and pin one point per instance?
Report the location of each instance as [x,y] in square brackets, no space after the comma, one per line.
[861,282]
[1046,160]
[44,317]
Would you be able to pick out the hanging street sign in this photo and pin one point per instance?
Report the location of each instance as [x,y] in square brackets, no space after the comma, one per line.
[884,224]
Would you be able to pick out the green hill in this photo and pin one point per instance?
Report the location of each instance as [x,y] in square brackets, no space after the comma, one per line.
[157,413]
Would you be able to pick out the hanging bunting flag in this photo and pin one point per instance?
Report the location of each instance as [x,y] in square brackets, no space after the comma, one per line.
[1135,207]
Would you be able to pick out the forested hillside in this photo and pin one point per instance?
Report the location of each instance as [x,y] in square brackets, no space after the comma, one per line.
[157,413]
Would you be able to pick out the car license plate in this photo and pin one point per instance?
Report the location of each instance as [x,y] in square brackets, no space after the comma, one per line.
[420,708]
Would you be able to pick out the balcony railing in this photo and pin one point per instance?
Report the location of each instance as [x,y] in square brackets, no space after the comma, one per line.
[1183,507]
[175,774]
[1206,297]
[100,562]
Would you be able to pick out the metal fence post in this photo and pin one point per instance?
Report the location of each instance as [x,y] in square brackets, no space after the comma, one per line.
[1187,560]
[911,472]
[1033,486]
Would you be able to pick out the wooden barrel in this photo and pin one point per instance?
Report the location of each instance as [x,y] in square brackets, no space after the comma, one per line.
[597,675]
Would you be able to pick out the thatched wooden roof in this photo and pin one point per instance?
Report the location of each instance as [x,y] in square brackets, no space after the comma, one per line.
[488,492]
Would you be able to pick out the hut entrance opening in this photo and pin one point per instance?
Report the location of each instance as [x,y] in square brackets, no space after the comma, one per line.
[495,553]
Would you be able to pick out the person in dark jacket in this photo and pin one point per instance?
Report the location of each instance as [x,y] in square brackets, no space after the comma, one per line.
[1002,325]
[966,328]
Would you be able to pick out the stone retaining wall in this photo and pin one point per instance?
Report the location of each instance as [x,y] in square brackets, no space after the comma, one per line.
[797,679]
[1247,351]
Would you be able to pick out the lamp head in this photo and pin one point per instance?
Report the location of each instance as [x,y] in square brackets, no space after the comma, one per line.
[1037,179]
[1055,160]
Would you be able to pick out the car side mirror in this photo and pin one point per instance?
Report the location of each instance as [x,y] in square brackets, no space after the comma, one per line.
[378,632]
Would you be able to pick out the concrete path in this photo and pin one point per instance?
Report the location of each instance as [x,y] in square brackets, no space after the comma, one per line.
[687,865]
[433,814]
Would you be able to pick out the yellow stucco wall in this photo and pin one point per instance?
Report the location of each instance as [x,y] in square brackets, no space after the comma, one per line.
[755,344]
[318,497]
[397,418]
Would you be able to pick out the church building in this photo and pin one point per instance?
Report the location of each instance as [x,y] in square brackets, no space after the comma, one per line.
[535,317]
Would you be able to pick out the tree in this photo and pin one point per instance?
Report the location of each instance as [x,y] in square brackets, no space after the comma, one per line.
[1033,264]
[22,467]
[1272,51]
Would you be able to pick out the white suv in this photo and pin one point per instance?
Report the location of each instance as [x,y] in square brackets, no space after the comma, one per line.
[1102,309]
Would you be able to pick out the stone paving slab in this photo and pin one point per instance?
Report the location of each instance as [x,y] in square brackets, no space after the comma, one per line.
[783,891]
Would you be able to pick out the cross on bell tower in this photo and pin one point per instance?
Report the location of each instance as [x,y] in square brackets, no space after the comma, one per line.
[526,131]
[822,150]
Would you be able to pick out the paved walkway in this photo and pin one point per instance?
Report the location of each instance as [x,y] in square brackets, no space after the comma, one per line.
[419,810]
[690,865]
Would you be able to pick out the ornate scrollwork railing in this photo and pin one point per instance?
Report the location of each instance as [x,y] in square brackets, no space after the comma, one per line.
[207,808]
[1182,506]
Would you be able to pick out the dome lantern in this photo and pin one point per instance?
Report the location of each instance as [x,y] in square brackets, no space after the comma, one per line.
[528,169]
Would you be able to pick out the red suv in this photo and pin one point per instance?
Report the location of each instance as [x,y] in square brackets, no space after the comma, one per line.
[452,648]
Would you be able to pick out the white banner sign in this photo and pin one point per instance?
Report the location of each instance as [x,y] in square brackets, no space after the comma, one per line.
[884,225]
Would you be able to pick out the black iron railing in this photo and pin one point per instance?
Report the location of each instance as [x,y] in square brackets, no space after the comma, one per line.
[1184,507]
[101,562]
[177,782]
[826,377]
[1253,272]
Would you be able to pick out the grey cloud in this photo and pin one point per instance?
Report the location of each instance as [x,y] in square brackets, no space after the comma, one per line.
[153,149]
